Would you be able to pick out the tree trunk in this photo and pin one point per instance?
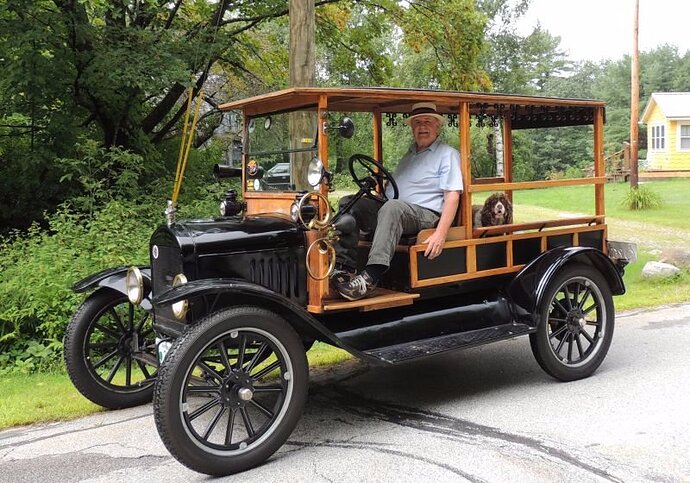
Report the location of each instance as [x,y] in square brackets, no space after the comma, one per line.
[498,137]
[302,74]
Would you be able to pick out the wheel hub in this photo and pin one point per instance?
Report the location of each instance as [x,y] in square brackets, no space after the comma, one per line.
[237,389]
[128,343]
[575,321]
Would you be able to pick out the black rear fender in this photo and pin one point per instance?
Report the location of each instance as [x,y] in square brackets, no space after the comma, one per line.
[527,289]
[114,278]
[224,292]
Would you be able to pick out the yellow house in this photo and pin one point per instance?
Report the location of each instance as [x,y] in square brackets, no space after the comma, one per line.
[667,117]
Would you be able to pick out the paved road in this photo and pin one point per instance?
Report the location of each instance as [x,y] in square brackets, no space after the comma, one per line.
[486,414]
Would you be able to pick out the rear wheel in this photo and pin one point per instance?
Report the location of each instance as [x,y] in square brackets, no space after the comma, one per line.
[110,351]
[231,390]
[576,323]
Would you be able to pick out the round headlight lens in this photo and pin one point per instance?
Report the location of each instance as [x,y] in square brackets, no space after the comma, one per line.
[315,172]
[180,308]
[257,185]
[134,284]
[294,211]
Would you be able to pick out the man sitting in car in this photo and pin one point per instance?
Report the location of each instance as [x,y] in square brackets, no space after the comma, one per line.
[429,180]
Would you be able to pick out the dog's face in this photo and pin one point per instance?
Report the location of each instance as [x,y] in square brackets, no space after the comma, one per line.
[497,210]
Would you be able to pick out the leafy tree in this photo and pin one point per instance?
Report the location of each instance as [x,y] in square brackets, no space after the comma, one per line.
[518,64]
[441,46]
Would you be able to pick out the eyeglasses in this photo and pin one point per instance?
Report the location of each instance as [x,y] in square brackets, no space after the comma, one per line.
[424,122]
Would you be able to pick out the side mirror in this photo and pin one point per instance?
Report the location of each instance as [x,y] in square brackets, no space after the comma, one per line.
[346,128]
[225,171]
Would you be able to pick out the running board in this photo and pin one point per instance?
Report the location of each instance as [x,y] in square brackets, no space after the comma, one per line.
[463,340]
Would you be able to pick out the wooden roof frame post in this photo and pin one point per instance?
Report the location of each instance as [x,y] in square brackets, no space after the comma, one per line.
[466,196]
[599,168]
[245,149]
[378,136]
[318,288]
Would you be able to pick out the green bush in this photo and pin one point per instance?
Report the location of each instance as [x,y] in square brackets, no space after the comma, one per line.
[103,174]
[40,266]
[108,226]
[641,198]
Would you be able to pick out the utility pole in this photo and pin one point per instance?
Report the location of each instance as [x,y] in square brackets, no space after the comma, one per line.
[302,74]
[302,49]
[635,100]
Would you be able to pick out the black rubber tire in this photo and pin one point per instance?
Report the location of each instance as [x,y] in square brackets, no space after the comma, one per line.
[564,324]
[86,330]
[177,408]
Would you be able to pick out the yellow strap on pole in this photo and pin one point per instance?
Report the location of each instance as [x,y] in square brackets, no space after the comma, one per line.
[188,147]
[185,125]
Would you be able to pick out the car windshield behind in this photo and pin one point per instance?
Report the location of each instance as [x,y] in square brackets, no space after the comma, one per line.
[281,147]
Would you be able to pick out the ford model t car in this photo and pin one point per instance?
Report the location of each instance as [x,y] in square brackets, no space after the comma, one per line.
[216,328]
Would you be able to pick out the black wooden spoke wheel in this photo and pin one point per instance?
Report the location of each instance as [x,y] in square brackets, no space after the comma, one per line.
[231,390]
[576,323]
[110,351]
[374,170]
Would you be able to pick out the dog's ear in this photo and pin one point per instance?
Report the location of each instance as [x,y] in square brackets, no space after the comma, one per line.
[487,215]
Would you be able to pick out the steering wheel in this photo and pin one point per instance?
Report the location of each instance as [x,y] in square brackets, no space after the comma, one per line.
[380,177]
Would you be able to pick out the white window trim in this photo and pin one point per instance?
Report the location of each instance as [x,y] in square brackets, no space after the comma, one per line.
[650,141]
[678,148]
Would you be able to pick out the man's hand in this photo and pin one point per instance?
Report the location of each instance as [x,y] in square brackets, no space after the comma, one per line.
[434,244]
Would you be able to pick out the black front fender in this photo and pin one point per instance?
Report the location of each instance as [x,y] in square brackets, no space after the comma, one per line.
[527,289]
[114,278]
[248,293]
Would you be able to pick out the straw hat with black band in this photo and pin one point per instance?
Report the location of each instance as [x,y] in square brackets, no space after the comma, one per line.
[424,109]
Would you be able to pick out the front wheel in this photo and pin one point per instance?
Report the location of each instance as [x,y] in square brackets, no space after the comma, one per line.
[110,351]
[576,323]
[231,390]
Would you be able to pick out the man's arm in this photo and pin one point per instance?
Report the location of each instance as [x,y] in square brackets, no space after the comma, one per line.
[435,242]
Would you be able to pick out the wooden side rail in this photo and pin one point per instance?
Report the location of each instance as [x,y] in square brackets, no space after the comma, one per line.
[526,185]
[535,225]
[495,179]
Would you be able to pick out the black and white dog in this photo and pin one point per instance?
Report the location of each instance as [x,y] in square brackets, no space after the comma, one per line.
[497,210]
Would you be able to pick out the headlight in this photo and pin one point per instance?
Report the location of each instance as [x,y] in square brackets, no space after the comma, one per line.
[315,172]
[294,211]
[257,185]
[134,284]
[180,308]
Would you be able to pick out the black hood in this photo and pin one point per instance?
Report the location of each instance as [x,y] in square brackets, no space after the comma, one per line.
[233,234]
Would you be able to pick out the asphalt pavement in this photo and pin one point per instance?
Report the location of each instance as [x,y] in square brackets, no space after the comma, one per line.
[488,414]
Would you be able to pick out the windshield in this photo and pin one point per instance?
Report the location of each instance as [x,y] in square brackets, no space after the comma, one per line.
[281,147]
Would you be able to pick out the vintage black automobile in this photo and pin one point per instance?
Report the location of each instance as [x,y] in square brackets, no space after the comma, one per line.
[216,329]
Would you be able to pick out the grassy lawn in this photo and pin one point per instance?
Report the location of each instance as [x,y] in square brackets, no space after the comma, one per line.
[580,199]
[26,399]
[49,397]
[44,397]
[672,214]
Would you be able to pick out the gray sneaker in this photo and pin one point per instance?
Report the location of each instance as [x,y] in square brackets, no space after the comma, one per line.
[357,288]
[341,274]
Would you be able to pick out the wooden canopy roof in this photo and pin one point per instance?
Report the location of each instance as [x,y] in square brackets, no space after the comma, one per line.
[525,111]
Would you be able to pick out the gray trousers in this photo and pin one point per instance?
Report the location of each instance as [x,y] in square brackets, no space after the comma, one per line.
[389,221]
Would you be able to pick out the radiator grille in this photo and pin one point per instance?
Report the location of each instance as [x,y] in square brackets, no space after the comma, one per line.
[282,275]
[164,267]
